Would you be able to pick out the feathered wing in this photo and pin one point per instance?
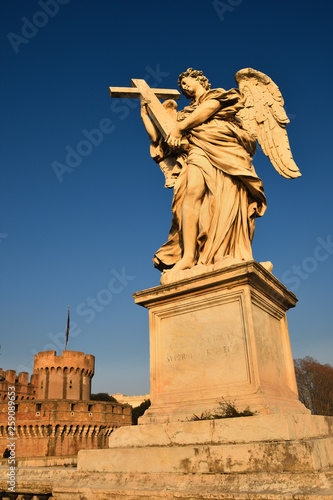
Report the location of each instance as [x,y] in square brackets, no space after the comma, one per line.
[264,117]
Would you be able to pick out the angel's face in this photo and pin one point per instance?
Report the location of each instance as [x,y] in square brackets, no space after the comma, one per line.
[190,85]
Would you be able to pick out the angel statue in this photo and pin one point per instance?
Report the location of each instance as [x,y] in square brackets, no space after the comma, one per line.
[217,193]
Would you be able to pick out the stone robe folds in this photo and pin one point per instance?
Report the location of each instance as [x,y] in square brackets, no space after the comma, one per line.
[234,194]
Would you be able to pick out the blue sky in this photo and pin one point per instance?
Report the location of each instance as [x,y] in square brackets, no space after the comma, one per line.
[63,242]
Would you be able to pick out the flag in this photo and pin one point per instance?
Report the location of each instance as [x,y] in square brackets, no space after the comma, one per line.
[67,328]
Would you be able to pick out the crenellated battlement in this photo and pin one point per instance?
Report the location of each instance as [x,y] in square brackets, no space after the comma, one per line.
[23,388]
[54,377]
[64,377]
[70,360]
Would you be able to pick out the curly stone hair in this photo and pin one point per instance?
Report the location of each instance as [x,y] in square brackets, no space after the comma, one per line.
[197,75]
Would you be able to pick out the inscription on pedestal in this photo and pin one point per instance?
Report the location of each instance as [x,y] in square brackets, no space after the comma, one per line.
[202,348]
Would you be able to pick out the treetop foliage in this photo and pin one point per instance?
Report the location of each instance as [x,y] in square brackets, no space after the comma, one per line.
[315,385]
[102,396]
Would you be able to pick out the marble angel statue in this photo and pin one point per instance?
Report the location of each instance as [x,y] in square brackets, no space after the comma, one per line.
[217,193]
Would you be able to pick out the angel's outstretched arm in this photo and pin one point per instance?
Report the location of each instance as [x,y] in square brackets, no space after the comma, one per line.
[149,126]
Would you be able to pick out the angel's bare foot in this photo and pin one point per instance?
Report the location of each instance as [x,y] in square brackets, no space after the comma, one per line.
[184,263]
[267,265]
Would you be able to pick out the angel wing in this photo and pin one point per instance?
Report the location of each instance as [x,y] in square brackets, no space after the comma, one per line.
[264,117]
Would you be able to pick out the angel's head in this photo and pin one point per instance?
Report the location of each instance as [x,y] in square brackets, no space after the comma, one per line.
[184,81]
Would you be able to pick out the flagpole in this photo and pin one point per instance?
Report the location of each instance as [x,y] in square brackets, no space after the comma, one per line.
[67,329]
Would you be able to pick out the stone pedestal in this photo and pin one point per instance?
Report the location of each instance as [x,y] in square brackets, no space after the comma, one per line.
[222,334]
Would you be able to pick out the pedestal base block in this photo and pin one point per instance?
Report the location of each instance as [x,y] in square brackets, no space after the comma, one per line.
[222,334]
[272,443]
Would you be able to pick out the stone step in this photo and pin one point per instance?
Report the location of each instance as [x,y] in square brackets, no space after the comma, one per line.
[230,430]
[286,456]
[66,484]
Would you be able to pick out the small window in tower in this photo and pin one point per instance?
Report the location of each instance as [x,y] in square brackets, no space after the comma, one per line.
[42,384]
[38,406]
[90,407]
[72,406]
[70,384]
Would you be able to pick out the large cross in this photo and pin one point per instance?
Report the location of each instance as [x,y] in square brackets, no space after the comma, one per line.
[140,89]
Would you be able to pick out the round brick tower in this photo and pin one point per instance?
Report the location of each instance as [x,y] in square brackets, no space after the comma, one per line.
[63,377]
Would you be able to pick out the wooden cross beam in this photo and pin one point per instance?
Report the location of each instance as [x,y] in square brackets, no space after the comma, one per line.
[141,89]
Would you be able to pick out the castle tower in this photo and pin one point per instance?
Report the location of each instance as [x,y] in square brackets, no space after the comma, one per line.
[64,377]
[54,415]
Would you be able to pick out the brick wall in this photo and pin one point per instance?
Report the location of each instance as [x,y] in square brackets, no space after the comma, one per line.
[61,427]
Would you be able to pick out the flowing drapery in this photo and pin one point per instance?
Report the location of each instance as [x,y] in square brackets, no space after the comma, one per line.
[234,194]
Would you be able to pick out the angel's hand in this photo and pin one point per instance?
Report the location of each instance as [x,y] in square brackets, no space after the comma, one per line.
[174,138]
[144,109]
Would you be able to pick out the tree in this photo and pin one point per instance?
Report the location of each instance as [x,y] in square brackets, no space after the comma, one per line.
[315,385]
[138,411]
[102,396]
